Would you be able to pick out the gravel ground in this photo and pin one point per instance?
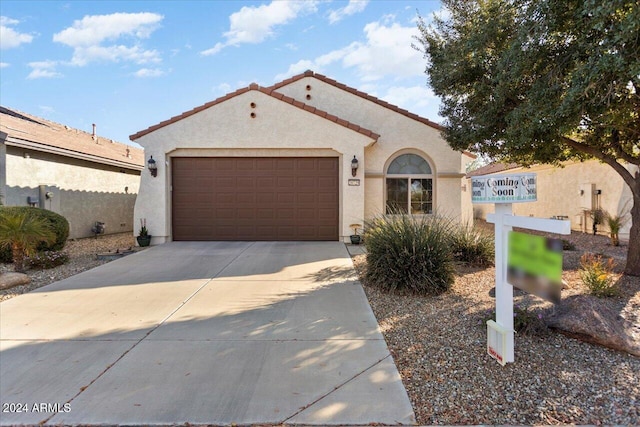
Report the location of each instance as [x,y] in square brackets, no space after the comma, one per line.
[82,256]
[439,346]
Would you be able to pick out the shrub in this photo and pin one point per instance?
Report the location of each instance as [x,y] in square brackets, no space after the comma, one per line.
[615,223]
[47,259]
[472,246]
[567,245]
[526,321]
[596,275]
[21,232]
[409,253]
[58,224]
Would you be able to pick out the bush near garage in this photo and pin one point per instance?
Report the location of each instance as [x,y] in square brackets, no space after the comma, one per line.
[57,222]
[409,253]
[472,246]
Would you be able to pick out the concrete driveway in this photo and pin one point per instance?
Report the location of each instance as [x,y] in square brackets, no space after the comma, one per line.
[201,333]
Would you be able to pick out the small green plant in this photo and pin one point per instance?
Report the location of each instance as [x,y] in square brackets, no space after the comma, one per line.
[409,253]
[615,223]
[596,274]
[472,246]
[568,245]
[526,321]
[47,259]
[143,228]
[22,233]
[597,218]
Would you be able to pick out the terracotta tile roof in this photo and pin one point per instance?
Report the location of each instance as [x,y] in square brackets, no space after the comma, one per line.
[361,94]
[34,133]
[267,91]
[492,168]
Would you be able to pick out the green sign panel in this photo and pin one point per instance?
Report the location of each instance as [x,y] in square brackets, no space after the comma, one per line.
[534,264]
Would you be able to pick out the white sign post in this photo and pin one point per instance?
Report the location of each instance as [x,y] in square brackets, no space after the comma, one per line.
[504,190]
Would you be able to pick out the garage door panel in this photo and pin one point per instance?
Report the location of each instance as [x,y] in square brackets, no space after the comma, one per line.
[285,213]
[285,198]
[306,198]
[266,213]
[246,197]
[255,198]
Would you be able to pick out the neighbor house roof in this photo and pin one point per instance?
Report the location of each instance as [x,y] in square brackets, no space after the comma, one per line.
[267,91]
[492,168]
[34,133]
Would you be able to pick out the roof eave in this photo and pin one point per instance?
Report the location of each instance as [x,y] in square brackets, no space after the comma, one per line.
[37,146]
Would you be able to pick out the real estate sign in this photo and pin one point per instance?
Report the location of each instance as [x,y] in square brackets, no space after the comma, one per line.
[504,188]
[534,264]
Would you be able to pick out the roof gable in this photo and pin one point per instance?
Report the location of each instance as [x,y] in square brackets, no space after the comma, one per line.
[268,91]
[359,93]
[34,133]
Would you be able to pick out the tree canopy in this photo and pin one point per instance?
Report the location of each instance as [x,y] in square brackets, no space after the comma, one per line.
[541,81]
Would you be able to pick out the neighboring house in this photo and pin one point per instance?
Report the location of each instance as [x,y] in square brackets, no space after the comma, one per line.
[275,163]
[569,192]
[84,177]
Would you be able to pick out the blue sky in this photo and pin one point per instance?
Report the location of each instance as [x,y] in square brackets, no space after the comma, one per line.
[127,65]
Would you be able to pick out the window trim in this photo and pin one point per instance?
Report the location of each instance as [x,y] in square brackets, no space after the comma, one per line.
[408,177]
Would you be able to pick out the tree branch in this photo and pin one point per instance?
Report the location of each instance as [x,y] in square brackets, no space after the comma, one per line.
[627,176]
[615,142]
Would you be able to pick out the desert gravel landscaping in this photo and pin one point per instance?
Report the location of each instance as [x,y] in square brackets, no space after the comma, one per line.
[82,256]
[438,344]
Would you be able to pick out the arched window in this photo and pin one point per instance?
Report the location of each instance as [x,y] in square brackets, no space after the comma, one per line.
[409,181]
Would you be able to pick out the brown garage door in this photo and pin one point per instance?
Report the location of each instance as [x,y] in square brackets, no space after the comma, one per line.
[255,198]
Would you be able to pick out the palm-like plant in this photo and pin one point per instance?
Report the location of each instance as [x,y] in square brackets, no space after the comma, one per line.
[22,232]
[615,223]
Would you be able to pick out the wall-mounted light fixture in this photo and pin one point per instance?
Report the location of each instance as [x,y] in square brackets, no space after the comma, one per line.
[151,165]
[354,166]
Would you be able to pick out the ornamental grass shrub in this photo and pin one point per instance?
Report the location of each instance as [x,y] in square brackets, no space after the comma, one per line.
[409,253]
[597,275]
[472,246]
[57,223]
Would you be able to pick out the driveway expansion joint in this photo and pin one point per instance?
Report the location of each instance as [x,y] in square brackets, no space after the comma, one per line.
[336,388]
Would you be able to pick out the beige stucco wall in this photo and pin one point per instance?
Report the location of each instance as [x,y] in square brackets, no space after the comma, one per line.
[398,134]
[559,193]
[226,129]
[83,192]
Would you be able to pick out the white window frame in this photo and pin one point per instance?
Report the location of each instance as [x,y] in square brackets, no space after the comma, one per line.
[408,177]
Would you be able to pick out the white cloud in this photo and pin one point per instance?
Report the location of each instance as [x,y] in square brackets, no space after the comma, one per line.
[411,98]
[149,72]
[386,52]
[4,64]
[254,24]
[9,37]
[83,55]
[222,88]
[354,6]
[87,36]
[43,70]
[317,64]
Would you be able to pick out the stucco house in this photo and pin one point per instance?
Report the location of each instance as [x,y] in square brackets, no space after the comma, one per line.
[569,192]
[80,175]
[300,160]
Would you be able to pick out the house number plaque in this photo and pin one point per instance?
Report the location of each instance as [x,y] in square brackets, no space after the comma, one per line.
[354,182]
